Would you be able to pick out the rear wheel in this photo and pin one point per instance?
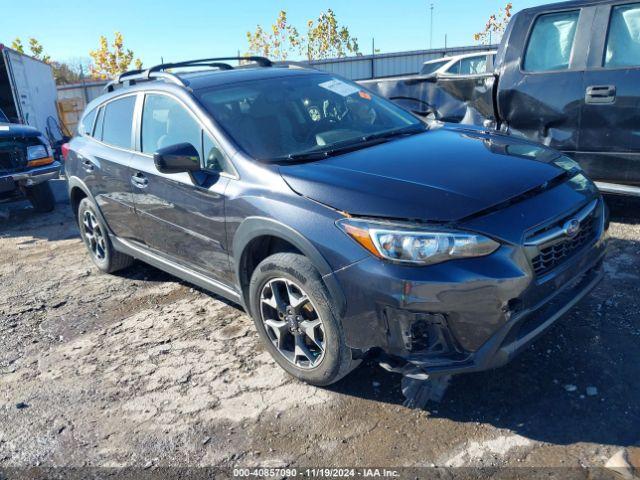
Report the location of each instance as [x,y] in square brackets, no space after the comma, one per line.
[96,238]
[41,197]
[294,316]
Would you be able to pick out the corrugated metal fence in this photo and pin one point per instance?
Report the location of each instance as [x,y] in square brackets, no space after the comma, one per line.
[389,64]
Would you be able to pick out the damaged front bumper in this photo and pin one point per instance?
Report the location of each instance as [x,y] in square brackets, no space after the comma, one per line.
[465,315]
[12,185]
[35,176]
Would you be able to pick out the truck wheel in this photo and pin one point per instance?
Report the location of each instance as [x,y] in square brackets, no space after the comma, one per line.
[41,197]
[95,235]
[295,318]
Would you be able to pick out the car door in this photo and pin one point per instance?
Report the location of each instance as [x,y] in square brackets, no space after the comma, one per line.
[540,86]
[610,139]
[181,215]
[105,163]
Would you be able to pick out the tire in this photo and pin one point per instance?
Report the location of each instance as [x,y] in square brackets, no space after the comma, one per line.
[41,197]
[327,357]
[95,236]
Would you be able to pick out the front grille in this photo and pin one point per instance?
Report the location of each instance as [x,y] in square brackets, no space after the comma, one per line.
[13,158]
[552,256]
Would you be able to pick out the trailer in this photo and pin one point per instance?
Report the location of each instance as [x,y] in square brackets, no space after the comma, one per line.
[27,91]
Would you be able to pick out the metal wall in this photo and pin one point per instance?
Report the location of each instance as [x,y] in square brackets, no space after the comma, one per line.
[390,64]
[356,68]
[87,91]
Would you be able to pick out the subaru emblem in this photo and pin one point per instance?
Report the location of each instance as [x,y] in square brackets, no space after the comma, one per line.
[571,228]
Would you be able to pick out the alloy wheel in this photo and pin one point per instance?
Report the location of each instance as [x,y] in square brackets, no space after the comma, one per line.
[292,323]
[94,236]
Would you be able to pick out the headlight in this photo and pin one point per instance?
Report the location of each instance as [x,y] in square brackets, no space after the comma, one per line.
[422,246]
[38,155]
[34,152]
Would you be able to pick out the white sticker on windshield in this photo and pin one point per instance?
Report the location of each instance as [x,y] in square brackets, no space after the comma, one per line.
[341,88]
[4,128]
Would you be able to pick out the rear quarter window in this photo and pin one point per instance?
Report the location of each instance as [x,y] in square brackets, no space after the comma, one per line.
[118,122]
[85,127]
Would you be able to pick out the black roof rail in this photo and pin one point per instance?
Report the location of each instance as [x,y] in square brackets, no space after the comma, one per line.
[159,71]
[262,61]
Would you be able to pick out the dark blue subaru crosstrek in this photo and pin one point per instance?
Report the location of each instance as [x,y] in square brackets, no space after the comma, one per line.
[342,223]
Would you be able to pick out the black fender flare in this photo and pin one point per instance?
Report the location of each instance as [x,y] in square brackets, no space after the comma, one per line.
[75,182]
[254,227]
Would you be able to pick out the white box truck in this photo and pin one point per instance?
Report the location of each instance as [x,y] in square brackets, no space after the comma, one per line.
[27,90]
[27,113]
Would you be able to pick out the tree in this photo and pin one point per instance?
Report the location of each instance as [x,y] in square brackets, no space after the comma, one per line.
[36,48]
[325,38]
[64,73]
[110,62]
[495,27]
[278,44]
[17,45]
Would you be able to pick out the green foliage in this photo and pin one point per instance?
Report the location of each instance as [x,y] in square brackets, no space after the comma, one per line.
[325,38]
[110,61]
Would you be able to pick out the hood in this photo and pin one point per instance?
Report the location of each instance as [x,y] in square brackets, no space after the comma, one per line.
[13,130]
[442,175]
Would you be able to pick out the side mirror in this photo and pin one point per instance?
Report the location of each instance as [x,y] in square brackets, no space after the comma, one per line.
[182,157]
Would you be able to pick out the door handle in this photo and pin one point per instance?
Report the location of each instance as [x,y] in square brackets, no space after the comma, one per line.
[87,166]
[139,180]
[600,94]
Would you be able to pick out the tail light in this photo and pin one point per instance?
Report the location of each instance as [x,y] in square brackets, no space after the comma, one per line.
[65,151]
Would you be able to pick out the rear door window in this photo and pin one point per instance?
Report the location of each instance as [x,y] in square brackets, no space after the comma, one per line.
[551,42]
[469,66]
[623,38]
[473,65]
[118,121]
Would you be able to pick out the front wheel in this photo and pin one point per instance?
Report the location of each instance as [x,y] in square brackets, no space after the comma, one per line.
[293,314]
[41,197]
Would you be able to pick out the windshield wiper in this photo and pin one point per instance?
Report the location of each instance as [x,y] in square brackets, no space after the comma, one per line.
[398,132]
[353,144]
[335,149]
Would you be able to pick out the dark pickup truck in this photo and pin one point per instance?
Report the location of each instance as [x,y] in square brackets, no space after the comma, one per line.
[567,75]
[26,165]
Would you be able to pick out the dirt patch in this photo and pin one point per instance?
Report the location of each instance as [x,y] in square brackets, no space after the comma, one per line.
[139,368]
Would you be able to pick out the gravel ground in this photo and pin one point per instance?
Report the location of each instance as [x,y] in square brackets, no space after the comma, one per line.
[140,369]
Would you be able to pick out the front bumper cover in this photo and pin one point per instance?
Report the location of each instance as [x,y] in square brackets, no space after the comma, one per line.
[36,175]
[472,315]
[12,183]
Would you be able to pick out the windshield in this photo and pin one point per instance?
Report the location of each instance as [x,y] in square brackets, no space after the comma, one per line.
[429,68]
[3,117]
[281,118]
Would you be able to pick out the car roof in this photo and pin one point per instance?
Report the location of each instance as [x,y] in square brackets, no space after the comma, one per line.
[462,55]
[565,5]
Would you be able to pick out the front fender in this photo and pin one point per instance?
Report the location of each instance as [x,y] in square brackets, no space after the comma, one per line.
[254,227]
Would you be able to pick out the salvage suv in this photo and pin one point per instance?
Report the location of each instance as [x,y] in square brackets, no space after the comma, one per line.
[26,165]
[343,224]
